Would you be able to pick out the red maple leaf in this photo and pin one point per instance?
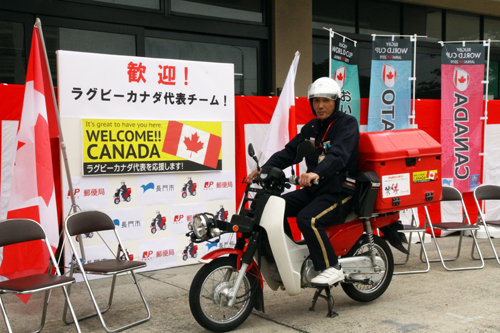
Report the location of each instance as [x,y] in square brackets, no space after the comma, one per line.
[339,76]
[461,80]
[390,76]
[193,144]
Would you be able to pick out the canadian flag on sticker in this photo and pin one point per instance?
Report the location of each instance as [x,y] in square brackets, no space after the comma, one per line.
[192,144]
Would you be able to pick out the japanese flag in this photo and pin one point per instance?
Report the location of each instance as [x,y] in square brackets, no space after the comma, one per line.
[32,193]
[192,144]
[282,127]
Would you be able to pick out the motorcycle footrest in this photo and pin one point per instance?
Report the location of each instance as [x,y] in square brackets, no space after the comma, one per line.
[351,280]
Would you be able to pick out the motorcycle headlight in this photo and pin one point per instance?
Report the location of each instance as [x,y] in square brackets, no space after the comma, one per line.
[200,226]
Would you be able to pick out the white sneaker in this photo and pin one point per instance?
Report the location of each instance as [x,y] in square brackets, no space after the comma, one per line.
[328,277]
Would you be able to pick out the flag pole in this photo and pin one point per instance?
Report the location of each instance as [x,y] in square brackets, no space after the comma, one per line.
[38,25]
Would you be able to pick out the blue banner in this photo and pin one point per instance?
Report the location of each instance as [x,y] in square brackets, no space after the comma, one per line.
[390,85]
[345,72]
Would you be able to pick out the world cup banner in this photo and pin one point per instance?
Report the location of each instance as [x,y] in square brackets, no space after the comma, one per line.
[344,65]
[462,73]
[390,84]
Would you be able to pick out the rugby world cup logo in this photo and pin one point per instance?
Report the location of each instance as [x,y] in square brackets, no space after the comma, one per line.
[339,76]
[389,75]
[461,79]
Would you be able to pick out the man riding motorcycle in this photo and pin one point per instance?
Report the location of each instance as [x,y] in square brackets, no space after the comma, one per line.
[335,136]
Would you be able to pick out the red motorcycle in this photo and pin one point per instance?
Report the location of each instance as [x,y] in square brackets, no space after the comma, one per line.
[127,196]
[162,225]
[185,191]
[193,252]
[229,285]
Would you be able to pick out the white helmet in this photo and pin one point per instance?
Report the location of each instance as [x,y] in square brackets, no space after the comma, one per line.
[157,212]
[324,87]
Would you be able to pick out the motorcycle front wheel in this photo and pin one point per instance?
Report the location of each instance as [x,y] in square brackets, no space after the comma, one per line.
[208,296]
[184,195]
[363,292]
[116,201]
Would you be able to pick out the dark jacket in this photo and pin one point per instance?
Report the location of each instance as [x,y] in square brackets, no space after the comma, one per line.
[341,157]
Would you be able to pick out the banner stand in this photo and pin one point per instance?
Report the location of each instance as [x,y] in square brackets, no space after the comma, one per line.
[486,43]
[343,69]
[332,33]
[413,78]
[38,24]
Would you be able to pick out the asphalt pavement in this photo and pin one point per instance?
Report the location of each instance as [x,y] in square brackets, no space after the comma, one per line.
[437,301]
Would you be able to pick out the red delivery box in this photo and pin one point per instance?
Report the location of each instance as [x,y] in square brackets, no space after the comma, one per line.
[408,163]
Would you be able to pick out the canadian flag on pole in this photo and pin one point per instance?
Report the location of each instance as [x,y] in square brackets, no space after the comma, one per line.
[283,126]
[192,144]
[32,193]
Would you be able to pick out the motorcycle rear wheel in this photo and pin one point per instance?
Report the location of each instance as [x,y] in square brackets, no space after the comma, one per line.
[362,292]
[208,300]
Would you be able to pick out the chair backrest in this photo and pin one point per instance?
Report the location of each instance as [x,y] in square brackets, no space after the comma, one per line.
[20,230]
[451,194]
[88,221]
[487,192]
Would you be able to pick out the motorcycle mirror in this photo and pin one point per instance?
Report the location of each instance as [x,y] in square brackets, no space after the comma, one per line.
[251,151]
[303,149]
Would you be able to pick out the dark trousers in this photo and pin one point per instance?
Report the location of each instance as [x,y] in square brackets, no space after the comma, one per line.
[313,212]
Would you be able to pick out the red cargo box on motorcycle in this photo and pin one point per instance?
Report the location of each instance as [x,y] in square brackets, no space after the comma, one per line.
[408,163]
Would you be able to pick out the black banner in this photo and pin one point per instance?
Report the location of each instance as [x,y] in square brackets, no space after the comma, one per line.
[388,49]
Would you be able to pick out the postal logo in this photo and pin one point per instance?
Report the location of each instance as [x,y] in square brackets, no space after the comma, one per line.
[389,75]
[147,255]
[461,79]
[178,218]
[208,185]
[339,76]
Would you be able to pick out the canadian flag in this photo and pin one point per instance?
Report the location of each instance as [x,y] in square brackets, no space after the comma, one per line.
[389,75]
[339,76]
[32,193]
[461,79]
[282,127]
[192,144]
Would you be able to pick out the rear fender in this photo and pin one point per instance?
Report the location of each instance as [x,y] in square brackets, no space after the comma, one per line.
[343,236]
[253,268]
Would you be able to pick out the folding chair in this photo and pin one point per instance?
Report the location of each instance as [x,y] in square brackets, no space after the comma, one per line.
[451,194]
[16,231]
[411,228]
[93,221]
[487,192]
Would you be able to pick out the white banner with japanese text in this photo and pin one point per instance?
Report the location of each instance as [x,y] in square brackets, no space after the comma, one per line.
[150,142]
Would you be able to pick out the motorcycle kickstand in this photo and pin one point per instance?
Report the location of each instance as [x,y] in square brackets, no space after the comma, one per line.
[329,300]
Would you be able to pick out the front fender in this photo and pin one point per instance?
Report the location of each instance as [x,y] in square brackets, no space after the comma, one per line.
[252,268]
[210,256]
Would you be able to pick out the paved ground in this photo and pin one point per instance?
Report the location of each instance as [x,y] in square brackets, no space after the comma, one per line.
[438,301]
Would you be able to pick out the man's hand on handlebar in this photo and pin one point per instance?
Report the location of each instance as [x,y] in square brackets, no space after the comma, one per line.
[306,179]
[252,175]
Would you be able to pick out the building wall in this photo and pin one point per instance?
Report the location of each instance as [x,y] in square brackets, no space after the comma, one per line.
[484,7]
[292,31]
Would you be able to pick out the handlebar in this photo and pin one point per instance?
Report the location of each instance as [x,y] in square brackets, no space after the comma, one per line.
[294,180]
